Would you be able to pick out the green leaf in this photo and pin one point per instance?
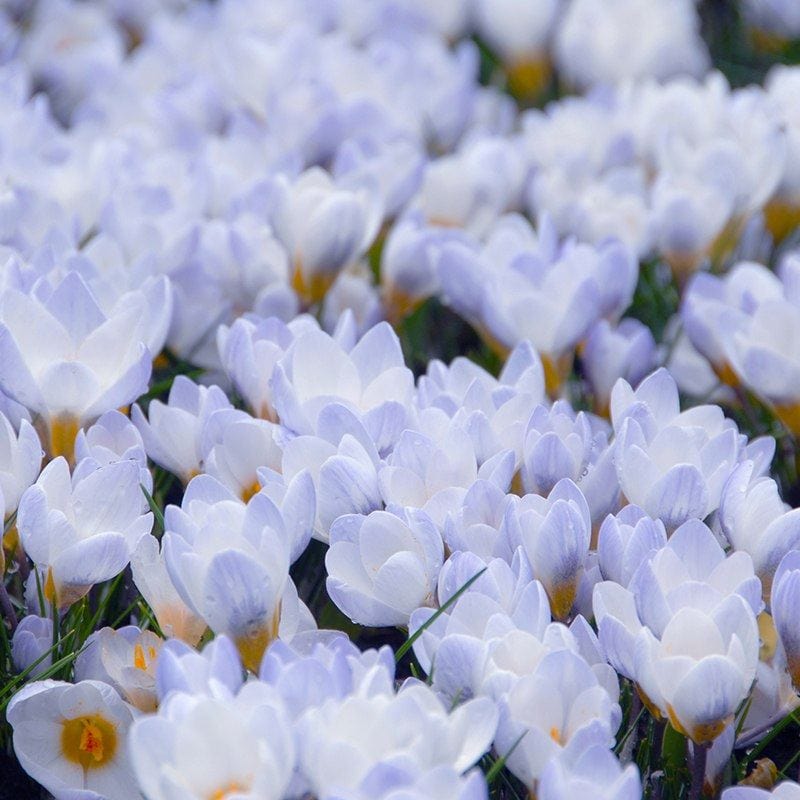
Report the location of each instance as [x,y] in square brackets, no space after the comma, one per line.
[409,643]
[498,765]
[157,513]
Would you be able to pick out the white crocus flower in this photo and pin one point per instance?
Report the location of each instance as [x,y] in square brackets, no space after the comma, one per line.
[343,741]
[383,566]
[68,362]
[80,530]
[215,747]
[72,738]
[702,668]
[561,707]
[324,227]
[229,563]
[126,659]
[754,519]
[151,578]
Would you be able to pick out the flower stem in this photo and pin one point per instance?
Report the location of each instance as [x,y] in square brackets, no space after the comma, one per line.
[699,756]
[7,607]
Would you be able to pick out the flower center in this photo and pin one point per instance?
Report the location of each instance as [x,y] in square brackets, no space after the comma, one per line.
[89,741]
[227,791]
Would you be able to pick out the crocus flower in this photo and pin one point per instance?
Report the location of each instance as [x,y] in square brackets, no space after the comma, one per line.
[66,361]
[559,444]
[323,226]
[343,741]
[114,438]
[595,771]
[215,671]
[520,34]
[702,668]
[383,566]
[201,746]
[554,534]
[755,520]
[20,459]
[673,465]
[249,350]
[32,642]
[172,431]
[627,351]
[625,540]
[560,707]
[151,578]
[229,563]
[126,659]
[783,607]
[456,645]
[82,529]
[325,665]
[661,39]
[370,378]
[73,738]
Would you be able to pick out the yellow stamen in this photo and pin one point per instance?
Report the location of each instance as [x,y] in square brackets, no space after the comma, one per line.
[89,741]
[139,661]
[249,491]
[227,791]
[555,734]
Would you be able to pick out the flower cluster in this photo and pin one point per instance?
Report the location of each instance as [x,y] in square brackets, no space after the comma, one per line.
[268,531]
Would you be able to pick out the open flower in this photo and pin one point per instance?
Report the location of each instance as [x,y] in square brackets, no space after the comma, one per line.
[343,741]
[215,747]
[323,226]
[595,772]
[672,464]
[66,361]
[559,708]
[555,534]
[229,563]
[73,737]
[383,566]
[702,668]
[754,519]
[172,431]
[125,659]
[370,378]
[81,530]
